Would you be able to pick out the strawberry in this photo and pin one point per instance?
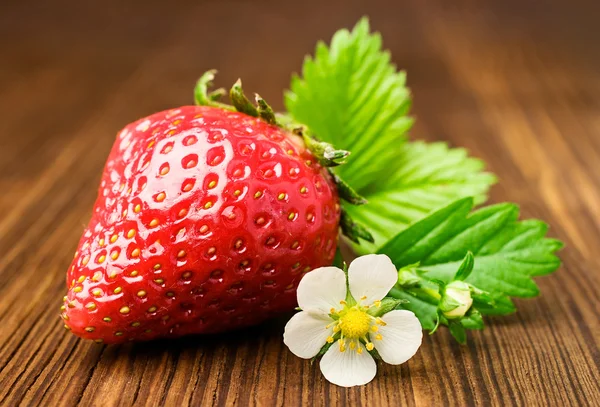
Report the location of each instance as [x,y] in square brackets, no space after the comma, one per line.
[206,219]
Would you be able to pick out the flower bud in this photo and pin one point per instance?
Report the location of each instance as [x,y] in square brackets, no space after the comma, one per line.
[456,300]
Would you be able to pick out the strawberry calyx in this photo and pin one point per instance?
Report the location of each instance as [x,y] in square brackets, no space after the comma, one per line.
[325,153]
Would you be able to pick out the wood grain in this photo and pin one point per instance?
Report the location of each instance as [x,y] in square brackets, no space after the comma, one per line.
[515,82]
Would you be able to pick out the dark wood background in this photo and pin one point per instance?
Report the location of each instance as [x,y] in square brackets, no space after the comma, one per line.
[517,83]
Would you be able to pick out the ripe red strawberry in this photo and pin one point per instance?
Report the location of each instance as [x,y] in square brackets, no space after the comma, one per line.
[205,221]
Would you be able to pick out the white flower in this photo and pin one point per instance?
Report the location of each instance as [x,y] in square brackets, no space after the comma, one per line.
[327,317]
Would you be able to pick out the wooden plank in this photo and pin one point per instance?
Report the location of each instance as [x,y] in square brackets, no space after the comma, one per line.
[514,83]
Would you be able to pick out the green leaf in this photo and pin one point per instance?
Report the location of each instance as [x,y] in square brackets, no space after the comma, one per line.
[424,178]
[507,253]
[351,96]
[425,308]
[408,275]
[465,267]
[499,304]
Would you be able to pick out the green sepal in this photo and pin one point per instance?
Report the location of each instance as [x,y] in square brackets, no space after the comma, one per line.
[265,111]
[240,101]
[327,155]
[473,320]
[447,304]
[482,298]
[375,354]
[324,152]
[353,230]
[350,300]
[201,95]
[465,267]
[325,348]
[217,94]
[346,192]
[437,323]
[458,332]
[201,89]
[387,304]
[441,284]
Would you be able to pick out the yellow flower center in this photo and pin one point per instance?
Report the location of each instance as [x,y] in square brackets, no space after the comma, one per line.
[355,323]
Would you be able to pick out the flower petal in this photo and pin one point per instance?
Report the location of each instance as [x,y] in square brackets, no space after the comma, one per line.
[322,289]
[306,333]
[348,368]
[401,337]
[371,276]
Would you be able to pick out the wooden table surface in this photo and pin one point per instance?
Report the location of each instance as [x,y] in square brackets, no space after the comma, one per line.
[515,82]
